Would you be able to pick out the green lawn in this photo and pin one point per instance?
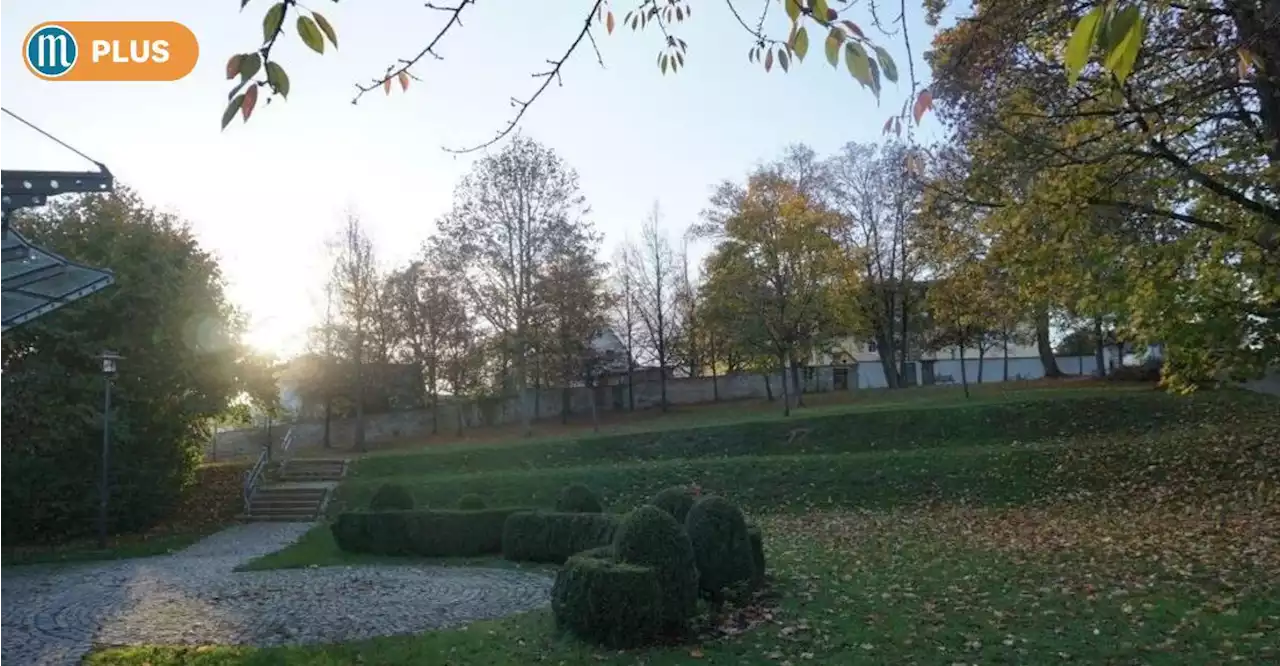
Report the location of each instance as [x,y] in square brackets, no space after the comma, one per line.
[1113,527]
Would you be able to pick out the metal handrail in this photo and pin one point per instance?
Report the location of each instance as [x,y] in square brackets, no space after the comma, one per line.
[254,475]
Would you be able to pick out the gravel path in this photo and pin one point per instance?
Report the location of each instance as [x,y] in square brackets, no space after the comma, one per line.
[54,616]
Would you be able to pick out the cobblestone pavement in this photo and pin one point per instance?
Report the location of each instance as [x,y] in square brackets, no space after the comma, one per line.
[54,616]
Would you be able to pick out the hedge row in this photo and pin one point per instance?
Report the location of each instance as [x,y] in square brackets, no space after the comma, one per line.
[896,427]
[543,536]
[995,474]
[428,533]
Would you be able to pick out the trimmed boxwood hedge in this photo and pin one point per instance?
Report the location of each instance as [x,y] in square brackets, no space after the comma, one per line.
[676,500]
[577,498]
[545,536]
[615,604]
[757,555]
[650,537]
[425,532]
[721,545]
[391,497]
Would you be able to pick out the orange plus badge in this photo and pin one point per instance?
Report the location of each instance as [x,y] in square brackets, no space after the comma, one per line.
[110,51]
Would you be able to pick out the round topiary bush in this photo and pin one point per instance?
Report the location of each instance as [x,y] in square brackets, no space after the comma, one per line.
[721,544]
[676,500]
[391,497]
[577,498]
[757,555]
[471,502]
[600,600]
[650,537]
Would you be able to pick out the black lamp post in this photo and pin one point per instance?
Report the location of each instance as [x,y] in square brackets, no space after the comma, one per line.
[109,360]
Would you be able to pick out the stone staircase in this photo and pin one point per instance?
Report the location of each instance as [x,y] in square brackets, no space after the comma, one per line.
[313,469]
[298,492]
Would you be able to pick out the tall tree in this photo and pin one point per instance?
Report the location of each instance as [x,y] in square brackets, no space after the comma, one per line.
[776,251]
[654,269]
[572,310]
[510,216]
[1172,172]
[433,316]
[624,317]
[184,364]
[356,286]
[878,198]
[688,345]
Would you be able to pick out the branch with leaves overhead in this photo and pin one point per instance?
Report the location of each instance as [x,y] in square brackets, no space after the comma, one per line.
[867,62]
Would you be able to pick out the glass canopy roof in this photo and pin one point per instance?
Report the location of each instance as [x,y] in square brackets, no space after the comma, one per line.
[37,281]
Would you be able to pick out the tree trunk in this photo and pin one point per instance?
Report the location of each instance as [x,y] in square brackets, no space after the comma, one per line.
[964,375]
[715,384]
[522,382]
[631,383]
[768,386]
[786,393]
[1006,358]
[795,380]
[595,416]
[1045,346]
[435,412]
[537,390]
[328,420]
[905,378]
[662,383]
[1258,23]
[1099,350]
[360,443]
[461,405]
[982,354]
[565,397]
[884,349]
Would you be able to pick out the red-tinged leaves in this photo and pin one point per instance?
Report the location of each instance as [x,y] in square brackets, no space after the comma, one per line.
[250,101]
[608,22]
[233,66]
[386,85]
[924,102]
[404,80]
[888,126]
[853,29]
[768,60]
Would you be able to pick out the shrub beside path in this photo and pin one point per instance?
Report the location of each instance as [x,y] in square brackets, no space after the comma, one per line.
[194,596]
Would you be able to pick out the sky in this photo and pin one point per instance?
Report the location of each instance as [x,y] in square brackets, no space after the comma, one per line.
[264,197]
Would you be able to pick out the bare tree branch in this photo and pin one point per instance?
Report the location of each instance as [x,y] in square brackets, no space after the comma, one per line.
[405,64]
[547,77]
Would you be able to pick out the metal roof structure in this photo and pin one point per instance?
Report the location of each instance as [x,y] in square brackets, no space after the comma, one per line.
[33,280]
[37,281]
